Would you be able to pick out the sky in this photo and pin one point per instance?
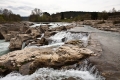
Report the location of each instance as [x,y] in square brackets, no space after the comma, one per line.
[24,7]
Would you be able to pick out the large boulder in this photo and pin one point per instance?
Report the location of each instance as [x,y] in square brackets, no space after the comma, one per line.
[30,59]
[16,43]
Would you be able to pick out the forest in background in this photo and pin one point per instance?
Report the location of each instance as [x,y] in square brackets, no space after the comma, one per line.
[38,16]
[8,16]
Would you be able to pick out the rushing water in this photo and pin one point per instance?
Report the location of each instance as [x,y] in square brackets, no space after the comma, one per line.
[63,36]
[51,74]
[52,25]
[84,71]
[3,47]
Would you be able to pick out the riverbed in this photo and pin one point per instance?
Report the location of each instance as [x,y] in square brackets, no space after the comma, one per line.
[80,73]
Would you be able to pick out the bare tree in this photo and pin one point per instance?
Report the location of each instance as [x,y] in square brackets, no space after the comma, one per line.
[118,10]
[7,12]
[37,12]
[113,10]
[1,11]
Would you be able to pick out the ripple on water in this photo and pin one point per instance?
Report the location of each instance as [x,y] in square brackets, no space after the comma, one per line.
[51,74]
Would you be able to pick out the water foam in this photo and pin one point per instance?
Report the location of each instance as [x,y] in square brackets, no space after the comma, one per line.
[51,74]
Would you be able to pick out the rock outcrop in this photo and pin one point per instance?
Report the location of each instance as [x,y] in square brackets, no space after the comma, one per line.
[16,43]
[8,31]
[43,57]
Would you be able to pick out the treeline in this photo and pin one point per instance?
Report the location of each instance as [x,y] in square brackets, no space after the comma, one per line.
[8,16]
[38,16]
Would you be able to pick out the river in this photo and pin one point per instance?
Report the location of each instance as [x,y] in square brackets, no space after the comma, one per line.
[4,47]
[80,73]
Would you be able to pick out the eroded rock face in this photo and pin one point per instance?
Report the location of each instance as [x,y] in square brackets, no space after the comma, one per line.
[16,43]
[43,57]
[8,31]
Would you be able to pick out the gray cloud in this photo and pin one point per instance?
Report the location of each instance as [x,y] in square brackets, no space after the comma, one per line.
[24,7]
[20,7]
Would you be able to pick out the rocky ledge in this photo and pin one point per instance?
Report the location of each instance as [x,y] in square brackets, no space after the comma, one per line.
[106,25]
[26,61]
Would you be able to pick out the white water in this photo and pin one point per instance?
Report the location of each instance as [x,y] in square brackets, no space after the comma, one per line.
[37,25]
[4,47]
[51,74]
[57,38]
[53,25]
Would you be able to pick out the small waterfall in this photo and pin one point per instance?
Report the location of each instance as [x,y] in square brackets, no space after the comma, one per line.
[58,38]
[23,45]
[83,71]
[61,37]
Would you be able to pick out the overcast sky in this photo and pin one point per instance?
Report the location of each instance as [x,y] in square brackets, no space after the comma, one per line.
[24,7]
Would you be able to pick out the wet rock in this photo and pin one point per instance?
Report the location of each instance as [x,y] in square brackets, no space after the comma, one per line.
[64,39]
[9,31]
[44,27]
[8,37]
[35,33]
[49,33]
[69,27]
[3,31]
[1,36]
[75,42]
[23,29]
[62,28]
[25,69]
[43,41]
[71,78]
[15,43]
